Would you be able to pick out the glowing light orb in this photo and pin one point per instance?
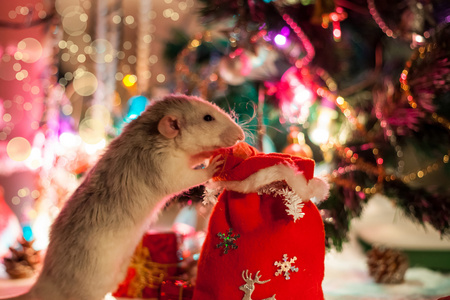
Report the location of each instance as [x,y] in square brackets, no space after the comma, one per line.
[100,113]
[92,131]
[102,51]
[319,135]
[280,40]
[69,140]
[34,161]
[27,232]
[85,83]
[31,50]
[337,33]
[136,105]
[295,94]
[18,149]
[129,80]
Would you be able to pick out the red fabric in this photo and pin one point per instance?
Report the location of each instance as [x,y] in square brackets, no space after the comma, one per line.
[266,234]
[176,290]
[162,248]
[122,289]
[243,160]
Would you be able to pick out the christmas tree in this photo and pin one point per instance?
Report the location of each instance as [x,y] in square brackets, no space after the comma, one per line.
[365,82]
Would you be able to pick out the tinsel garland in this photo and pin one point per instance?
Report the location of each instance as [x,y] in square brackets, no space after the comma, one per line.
[426,77]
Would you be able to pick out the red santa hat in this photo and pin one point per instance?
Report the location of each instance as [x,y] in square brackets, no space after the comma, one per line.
[265,238]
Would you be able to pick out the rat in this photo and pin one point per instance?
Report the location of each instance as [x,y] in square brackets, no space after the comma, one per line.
[95,234]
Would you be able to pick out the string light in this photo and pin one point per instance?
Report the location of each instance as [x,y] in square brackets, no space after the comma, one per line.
[336,18]
[419,53]
[421,173]
[307,45]
[357,164]
[379,20]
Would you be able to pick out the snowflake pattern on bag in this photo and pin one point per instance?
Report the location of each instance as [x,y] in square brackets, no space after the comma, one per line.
[286,265]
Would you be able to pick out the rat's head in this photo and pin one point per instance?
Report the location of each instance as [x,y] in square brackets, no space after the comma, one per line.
[196,125]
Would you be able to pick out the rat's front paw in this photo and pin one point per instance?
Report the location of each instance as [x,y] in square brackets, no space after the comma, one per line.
[214,166]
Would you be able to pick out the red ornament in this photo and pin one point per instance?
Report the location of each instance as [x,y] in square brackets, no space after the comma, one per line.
[297,145]
[295,94]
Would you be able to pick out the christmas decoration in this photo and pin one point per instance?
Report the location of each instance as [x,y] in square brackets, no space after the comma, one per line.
[228,241]
[295,94]
[336,18]
[410,127]
[264,226]
[406,21]
[249,287]
[296,144]
[294,204]
[387,265]
[285,266]
[24,261]
[154,261]
[234,68]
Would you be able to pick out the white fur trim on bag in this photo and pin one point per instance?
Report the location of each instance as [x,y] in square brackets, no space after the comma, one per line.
[316,188]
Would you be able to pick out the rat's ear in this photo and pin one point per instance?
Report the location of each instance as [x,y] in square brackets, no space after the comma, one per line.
[168,126]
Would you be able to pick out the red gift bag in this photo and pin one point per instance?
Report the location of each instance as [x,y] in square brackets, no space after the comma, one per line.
[154,261]
[266,238]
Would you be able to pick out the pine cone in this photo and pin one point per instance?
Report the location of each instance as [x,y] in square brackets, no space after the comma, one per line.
[387,265]
[23,262]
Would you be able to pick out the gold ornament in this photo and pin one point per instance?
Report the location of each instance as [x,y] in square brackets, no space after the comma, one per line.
[297,145]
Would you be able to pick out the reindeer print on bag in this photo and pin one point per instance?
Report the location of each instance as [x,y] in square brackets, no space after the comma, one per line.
[249,286]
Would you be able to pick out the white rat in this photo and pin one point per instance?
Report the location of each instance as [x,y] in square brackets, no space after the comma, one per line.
[95,234]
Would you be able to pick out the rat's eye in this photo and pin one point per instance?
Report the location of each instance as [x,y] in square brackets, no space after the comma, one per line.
[208,118]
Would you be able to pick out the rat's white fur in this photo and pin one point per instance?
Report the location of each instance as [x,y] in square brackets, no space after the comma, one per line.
[95,234]
[314,188]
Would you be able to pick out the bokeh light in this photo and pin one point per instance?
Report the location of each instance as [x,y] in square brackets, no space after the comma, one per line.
[69,140]
[100,113]
[31,50]
[129,80]
[63,6]
[18,149]
[280,40]
[92,131]
[85,83]
[102,51]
